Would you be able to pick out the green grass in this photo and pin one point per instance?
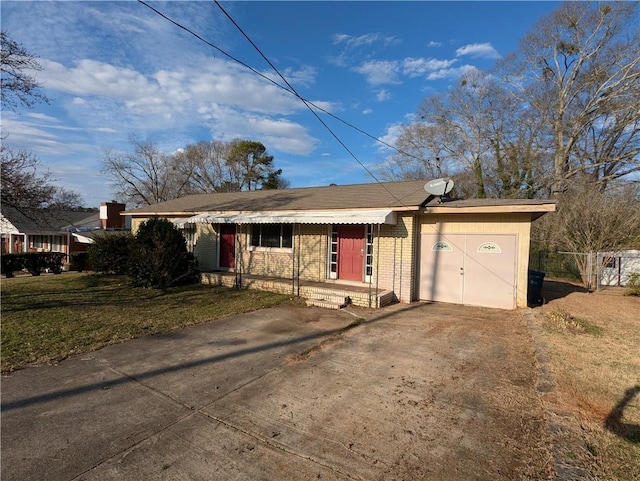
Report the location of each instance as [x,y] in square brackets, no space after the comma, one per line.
[47,318]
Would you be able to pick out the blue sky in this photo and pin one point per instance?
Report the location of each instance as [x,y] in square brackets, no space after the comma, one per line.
[113,69]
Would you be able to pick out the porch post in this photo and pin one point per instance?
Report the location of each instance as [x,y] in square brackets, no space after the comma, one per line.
[238,273]
[299,249]
[377,263]
[293,259]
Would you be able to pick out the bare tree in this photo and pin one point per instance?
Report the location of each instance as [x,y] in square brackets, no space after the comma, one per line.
[481,134]
[590,220]
[419,156]
[448,137]
[18,87]
[144,176]
[27,186]
[148,176]
[204,164]
[218,166]
[581,66]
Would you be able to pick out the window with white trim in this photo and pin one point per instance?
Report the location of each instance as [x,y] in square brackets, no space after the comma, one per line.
[369,257]
[333,253]
[272,235]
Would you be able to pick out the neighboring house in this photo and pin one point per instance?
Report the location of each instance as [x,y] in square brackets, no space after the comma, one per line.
[56,230]
[618,267]
[377,243]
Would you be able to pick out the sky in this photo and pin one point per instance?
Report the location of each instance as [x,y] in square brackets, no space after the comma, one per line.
[117,69]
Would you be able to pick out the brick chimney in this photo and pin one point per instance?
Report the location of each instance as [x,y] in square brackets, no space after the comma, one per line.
[110,217]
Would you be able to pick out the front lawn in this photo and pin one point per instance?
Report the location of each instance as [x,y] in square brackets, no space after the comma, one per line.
[593,340]
[47,318]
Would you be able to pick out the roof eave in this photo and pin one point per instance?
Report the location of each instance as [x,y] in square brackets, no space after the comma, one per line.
[233,211]
[540,209]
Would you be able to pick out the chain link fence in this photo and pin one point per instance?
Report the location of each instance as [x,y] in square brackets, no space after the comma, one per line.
[593,269]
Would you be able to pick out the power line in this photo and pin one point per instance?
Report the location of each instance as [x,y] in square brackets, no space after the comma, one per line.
[268,79]
[289,88]
[293,90]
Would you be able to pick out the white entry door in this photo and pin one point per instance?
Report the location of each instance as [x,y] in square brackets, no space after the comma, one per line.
[474,269]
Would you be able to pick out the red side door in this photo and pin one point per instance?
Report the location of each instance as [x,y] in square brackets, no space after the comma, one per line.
[350,252]
[228,246]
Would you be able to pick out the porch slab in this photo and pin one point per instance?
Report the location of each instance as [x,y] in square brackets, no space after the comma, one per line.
[362,295]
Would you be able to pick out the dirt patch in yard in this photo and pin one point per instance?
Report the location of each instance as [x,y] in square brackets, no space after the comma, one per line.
[592,345]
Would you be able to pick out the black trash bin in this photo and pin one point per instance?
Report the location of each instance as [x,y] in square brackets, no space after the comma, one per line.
[534,293]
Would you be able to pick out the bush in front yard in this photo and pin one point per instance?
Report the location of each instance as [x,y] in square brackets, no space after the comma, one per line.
[633,285]
[110,253]
[160,258]
[11,263]
[34,262]
[79,261]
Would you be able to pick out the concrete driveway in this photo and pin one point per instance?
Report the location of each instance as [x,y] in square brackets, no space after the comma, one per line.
[425,391]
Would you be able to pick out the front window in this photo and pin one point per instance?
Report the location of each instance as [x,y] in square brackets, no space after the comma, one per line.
[369,258]
[57,243]
[38,242]
[272,235]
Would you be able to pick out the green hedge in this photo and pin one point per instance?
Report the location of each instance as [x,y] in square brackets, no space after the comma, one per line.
[79,262]
[34,262]
[110,253]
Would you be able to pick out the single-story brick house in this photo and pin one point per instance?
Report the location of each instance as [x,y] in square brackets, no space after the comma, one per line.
[51,230]
[374,243]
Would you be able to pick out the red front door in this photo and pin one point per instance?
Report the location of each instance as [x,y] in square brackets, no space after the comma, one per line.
[350,252]
[228,245]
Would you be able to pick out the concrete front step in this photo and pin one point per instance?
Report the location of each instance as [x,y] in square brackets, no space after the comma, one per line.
[323,304]
[327,301]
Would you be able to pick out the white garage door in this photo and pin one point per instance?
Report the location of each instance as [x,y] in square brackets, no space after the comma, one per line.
[474,269]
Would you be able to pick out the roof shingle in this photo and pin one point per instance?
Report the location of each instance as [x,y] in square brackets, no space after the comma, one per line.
[356,196]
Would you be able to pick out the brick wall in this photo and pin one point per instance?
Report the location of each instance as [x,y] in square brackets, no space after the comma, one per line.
[308,257]
[396,257]
[205,247]
[393,261]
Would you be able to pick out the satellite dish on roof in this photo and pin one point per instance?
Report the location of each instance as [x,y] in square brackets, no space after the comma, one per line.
[439,187]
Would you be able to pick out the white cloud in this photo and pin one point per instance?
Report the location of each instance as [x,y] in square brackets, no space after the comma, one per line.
[433,43]
[451,73]
[304,76]
[478,50]
[388,72]
[275,133]
[366,39]
[382,95]
[391,135]
[379,72]
[90,77]
[35,137]
[237,102]
[42,117]
[353,49]
[414,67]
[367,111]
